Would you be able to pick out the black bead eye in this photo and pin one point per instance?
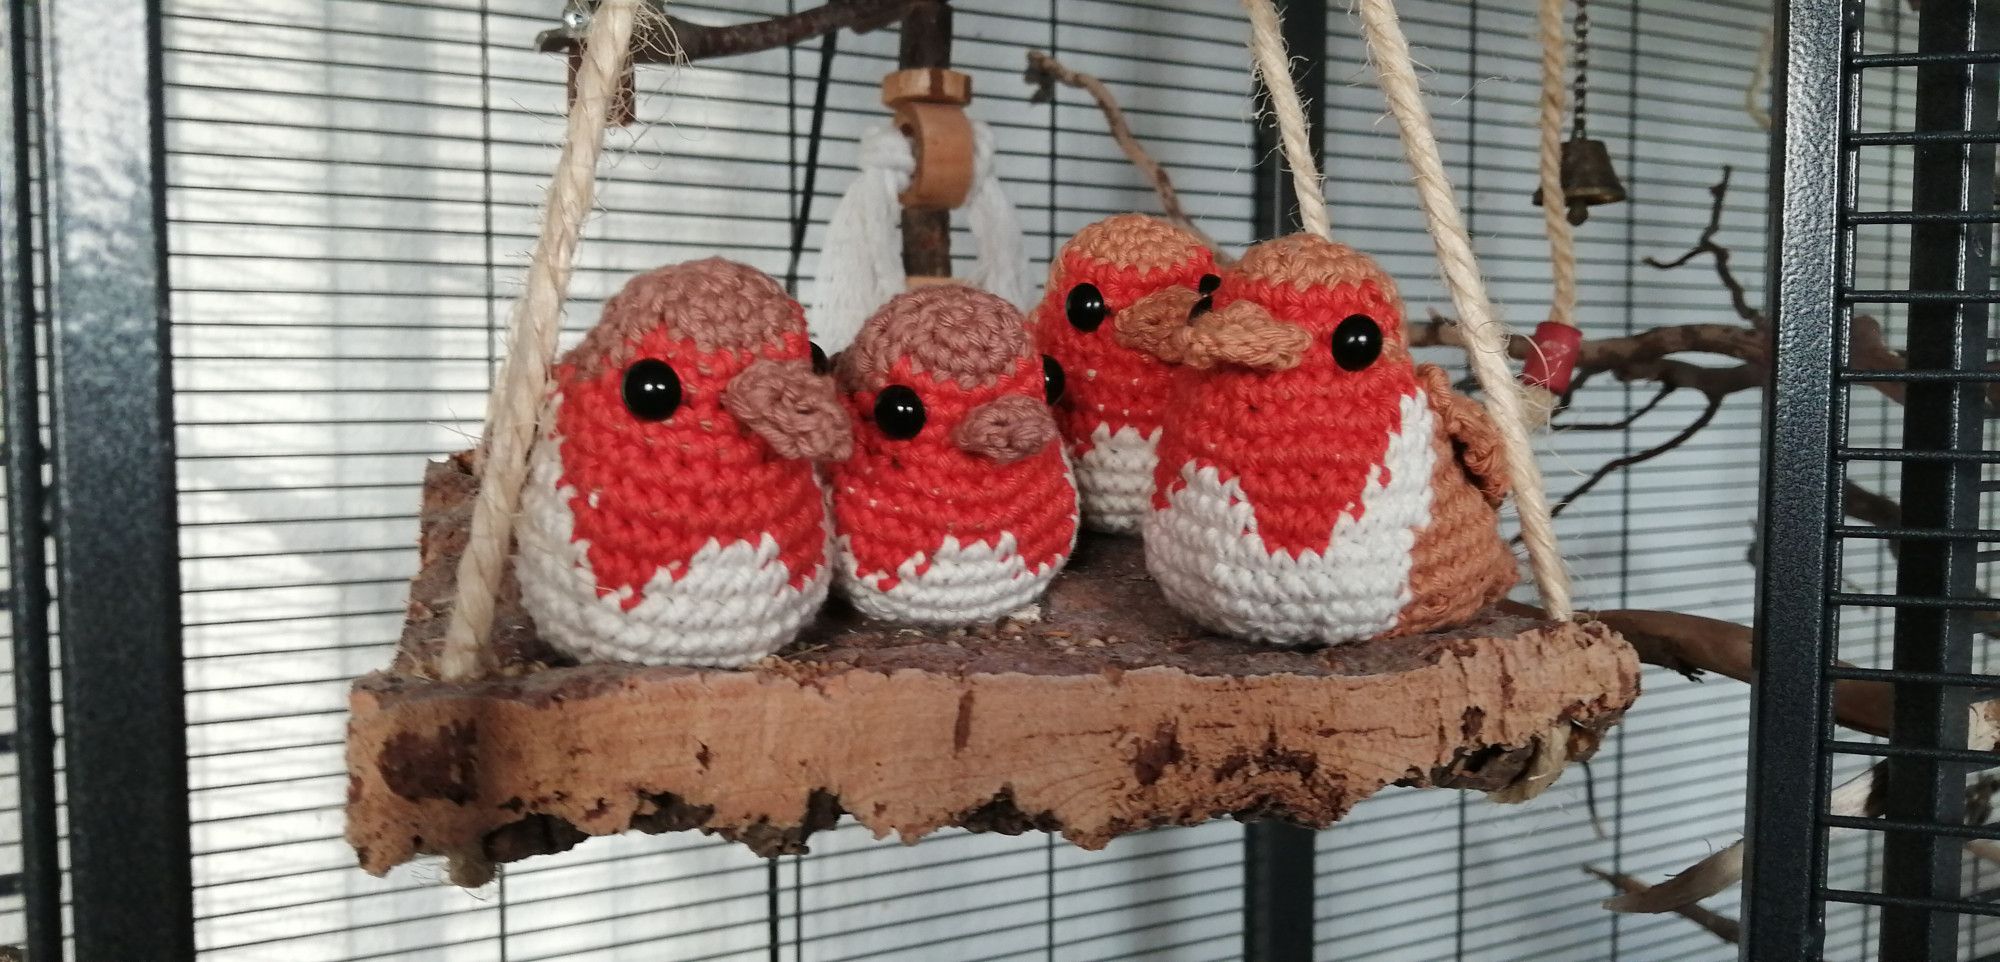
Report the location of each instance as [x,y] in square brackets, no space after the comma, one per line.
[1357,342]
[820,364]
[1209,282]
[899,412]
[652,390]
[1085,307]
[1052,379]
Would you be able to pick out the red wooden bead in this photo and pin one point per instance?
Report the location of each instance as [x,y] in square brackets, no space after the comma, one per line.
[1553,362]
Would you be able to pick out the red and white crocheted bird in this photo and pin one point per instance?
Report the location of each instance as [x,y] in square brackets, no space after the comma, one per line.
[957,506]
[1314,486]
[1111,408]
[672,515]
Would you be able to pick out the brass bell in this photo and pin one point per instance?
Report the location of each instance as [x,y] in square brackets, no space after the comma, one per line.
[1587,178]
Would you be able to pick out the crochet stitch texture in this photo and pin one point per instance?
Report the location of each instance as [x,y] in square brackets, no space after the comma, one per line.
[1297,501]
[700,538]
[1111,412]
[972,516]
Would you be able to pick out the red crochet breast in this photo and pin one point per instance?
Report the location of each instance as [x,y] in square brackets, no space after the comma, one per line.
[895,498]
[1128,387]
[651,494]
[1304,442]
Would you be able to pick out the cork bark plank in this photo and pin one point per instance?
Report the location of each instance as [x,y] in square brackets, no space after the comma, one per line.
[1109,714]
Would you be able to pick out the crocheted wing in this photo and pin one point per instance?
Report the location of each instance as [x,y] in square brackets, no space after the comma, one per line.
[1474,440]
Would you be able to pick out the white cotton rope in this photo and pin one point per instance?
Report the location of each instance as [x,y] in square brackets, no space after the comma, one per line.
[1485,337]
[1000,265]
[861,259]
[1267,49]
[532,332]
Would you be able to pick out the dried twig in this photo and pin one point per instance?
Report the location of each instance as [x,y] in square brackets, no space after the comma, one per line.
[1629,419]
[1722,926]
[1044,72]
[1859,797]
[665,38]
[1640,457]
[1738,298]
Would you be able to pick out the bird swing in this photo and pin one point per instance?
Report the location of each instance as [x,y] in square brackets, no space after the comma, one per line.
[523,715]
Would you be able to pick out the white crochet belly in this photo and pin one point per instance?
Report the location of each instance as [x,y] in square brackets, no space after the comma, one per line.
[1204,549]
[733,604]
[1115,478]
[962,584]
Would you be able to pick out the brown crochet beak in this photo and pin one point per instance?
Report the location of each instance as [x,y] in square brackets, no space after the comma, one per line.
[1177,326]
[796,411]
[1157,324]
[1006,429]
[1245,335]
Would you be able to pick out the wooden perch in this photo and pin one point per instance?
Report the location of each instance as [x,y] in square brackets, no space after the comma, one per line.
[1107,715]
[661,37]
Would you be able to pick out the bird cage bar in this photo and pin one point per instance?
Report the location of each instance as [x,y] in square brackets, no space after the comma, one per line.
[111,398]
[40,881]
[1279,859]
[1783,919]
[1941,457]
[1955,102]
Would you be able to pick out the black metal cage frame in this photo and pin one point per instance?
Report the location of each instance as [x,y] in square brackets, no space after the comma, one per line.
[1818,155]
[84,327]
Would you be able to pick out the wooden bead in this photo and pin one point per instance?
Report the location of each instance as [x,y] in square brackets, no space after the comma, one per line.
[941,140]
[931,85]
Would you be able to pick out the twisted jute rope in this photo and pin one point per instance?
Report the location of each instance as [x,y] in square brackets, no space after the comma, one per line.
[532,331]
[1485,337]
[1754,97]
[1541,403]
[1267,47]
[1555,214]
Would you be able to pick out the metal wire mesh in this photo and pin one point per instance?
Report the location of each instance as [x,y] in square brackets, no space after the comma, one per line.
[350,189]
[1903,185]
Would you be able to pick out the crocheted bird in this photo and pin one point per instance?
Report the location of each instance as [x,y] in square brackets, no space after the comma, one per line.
[1111,408]
[672,514]
[1313,485]
[957,506]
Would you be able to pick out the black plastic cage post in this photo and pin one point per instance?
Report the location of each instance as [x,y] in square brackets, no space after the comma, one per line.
[1279,860]
[1820,155]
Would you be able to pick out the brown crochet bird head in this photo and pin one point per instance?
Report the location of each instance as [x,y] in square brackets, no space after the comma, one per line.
[1284,297]
[709,346]
[948,363]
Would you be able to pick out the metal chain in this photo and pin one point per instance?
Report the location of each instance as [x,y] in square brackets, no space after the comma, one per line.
[1580,87]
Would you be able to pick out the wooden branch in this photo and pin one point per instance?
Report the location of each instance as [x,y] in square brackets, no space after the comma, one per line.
[1858,797]
[1629,419]
[1721,926]
[925,43]
[1044,72]
[1640,457]
[1694,644]
[665,38]
[1706,244]
[1644,356]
